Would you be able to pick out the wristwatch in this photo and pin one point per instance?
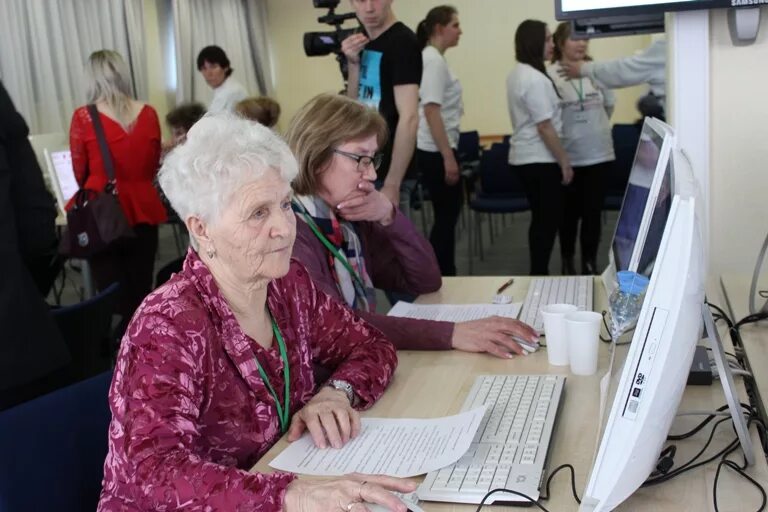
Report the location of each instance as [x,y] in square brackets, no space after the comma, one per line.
[346,387]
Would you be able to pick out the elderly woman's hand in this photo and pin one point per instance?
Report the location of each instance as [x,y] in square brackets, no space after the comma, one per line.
[367,203]
[328,415]
[493,335]
[349,493]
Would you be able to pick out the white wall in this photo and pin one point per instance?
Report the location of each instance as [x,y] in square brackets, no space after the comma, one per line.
[739,142]
[481,61]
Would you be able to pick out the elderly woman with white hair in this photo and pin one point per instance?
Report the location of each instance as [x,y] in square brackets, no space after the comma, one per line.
[217,364]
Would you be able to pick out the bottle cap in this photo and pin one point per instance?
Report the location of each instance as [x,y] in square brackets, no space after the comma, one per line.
[632,282]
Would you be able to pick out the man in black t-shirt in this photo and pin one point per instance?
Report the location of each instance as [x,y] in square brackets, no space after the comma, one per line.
[384,73]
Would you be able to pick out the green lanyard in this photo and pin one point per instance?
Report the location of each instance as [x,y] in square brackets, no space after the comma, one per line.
[579,91]
[283,411]
[328,245]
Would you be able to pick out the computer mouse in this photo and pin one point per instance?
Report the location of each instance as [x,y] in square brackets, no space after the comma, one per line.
[410,501]
[526,345]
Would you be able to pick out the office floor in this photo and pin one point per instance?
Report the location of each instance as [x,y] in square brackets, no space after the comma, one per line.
[507,255]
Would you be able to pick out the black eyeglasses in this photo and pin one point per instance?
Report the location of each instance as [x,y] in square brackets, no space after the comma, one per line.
[363,161]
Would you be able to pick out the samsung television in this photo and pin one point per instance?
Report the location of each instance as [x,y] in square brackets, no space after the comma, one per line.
[581,9]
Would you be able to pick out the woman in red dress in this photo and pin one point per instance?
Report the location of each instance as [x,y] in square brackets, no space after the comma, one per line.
[132,131]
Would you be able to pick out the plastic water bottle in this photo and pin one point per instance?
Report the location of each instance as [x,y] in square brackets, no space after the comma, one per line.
[626,301]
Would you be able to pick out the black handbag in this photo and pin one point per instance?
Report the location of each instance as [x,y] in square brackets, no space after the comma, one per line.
[96,220]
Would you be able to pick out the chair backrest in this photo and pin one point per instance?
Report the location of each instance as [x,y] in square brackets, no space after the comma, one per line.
[625,139]
[469,146]
[496,176]
[52,449]
[86,328]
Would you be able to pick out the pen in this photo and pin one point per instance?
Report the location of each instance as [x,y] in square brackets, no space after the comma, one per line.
[505,285]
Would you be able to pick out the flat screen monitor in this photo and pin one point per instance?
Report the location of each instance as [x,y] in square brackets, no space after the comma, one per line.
[63,175]
[656,367]
[580,9]
[651,172]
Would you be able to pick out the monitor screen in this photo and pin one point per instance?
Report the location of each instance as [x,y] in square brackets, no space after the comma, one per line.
[659,217]
[647,156]
[65,175]
[577,9]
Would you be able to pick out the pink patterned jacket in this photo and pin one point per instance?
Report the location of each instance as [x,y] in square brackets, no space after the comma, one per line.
[190,413]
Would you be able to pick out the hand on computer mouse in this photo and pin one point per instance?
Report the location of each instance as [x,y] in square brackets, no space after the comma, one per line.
[494,335]
[352,493]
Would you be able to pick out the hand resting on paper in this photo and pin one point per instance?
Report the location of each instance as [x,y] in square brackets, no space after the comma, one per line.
[329,417]
[492,335]
[351,492]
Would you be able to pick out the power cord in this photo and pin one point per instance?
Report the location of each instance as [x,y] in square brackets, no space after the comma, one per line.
[730,464]
[544,498]
[573,482]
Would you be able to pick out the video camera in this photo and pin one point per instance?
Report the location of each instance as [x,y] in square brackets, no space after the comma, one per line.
[325,43]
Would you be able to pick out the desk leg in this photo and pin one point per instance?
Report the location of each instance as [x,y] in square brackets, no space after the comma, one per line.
[88,286]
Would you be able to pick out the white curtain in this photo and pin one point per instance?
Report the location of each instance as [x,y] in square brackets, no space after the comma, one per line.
[43,47]
[239,27]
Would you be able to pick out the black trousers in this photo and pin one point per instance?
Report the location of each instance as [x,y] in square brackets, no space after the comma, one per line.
[131,263]
[583,202]
[544,189]
[446,201]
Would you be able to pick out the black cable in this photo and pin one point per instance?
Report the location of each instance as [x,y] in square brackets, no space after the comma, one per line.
[697,428]
[691,464]
[749,319]
[489,493]
[607,329]
[573,482]
[736,468]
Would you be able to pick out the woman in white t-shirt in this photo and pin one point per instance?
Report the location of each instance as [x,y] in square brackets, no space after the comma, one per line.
[213,64]
[536,152]
[440,109]
[587,108]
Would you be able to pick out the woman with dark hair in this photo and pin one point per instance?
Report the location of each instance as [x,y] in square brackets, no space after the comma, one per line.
[587,107]
[180,120]
[440,112]
[263,110]
[536,152]
[213,64]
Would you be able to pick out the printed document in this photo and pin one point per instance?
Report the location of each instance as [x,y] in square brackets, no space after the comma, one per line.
[453,312]
[385,446]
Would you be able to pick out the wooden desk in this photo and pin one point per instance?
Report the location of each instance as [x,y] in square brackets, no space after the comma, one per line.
[735,290]
[430,384]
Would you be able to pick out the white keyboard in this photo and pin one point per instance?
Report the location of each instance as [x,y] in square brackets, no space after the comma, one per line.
[510,448]
[576,290]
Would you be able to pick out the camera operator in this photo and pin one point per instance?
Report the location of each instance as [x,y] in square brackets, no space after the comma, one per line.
[384,66]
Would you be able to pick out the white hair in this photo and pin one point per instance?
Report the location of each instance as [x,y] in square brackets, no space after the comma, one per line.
[222,153]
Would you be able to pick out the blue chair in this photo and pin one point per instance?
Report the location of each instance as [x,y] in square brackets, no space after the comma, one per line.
[469,147]
[501,191]
[87,330]
[625,139]
[52,449]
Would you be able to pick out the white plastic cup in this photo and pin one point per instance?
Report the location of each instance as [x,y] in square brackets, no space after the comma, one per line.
[555,332]
[583,331]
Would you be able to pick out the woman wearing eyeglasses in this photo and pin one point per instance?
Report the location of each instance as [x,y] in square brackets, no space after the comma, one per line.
[351,238]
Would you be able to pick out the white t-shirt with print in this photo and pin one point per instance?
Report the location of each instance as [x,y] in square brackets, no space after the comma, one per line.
[531,99]
[438,85]
[586,126]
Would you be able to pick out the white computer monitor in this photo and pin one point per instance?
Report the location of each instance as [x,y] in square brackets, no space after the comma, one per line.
[651,173]
[62,175]
[659,358]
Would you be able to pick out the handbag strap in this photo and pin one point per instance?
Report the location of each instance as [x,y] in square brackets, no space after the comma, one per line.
[105,155]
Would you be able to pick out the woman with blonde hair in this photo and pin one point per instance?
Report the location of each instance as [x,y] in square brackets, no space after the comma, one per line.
[352,238]
[132,133]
